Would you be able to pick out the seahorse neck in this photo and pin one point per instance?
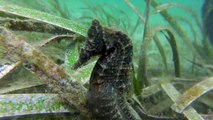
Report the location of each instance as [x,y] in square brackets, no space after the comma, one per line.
[118,59]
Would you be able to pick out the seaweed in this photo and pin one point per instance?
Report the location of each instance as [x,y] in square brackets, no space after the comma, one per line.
[46,18]
[142,81]
[165,90]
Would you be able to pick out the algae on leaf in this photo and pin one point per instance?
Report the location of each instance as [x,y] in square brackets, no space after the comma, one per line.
[48,36]
[192,94]
[24,104]
[44,17]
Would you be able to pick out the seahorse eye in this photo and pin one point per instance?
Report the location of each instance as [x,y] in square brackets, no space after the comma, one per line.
[92,32]
[84,54]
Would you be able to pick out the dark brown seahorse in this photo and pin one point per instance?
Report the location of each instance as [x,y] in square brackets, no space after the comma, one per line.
[110,81]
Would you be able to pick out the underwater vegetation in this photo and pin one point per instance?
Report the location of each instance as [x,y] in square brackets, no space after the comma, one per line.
[207,14]
[172,72]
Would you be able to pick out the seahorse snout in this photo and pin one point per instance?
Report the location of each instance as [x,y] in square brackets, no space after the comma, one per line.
[83,58]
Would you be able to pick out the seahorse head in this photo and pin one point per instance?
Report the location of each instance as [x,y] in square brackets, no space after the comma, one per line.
[94,44]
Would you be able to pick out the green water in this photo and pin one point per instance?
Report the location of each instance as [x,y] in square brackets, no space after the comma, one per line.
[194,51]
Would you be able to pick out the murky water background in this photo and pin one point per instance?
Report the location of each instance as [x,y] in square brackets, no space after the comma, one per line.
[115,14]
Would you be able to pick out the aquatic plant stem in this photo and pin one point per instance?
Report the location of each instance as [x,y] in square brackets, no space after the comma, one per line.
[142,70]
[156,40]
[172,22]
[32,26]
[57,79]
[177,28]
[166,6]
[135,10]
[44,17]
[171,91]
[192,94]
[172,42]
[57,38]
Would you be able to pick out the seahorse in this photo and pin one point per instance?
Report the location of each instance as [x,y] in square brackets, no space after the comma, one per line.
[110,81]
